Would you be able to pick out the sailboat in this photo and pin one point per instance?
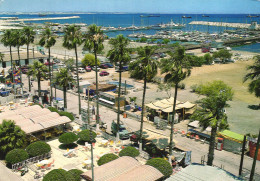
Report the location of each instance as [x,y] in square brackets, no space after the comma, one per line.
[205,16]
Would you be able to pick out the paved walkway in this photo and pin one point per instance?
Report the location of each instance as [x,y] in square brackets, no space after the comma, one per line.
[7,175]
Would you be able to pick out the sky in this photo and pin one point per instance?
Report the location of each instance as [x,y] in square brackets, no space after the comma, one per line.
[134,6]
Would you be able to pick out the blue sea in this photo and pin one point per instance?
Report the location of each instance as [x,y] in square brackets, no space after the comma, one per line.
[126,20]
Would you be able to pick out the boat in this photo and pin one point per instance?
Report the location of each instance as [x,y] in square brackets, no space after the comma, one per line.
[42,15]
[205,16]
[172,25]
[252,16]
[150,15]
[186,17]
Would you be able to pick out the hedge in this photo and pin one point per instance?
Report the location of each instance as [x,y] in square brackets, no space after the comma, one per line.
[16,156]
[68,138]
[84,135]
[53,109]
[106,158]
[76,174]
[69,115]
[58,175]
[129,151]
[162,165]
[38,148]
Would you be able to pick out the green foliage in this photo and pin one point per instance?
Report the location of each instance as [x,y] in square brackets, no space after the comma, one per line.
[197,61]
[38,104]
[162,165]
[53,109]
[69,63]
[106,158]
[11,137]
[67,114]
[165,41]
[89,60]
[222,54]
[38,148]
[181,86]
[58,175]
[47,38]
[84,135]
[76,174]
[68,138]
[129,151]
[208,59]
[143,40]
[16,156]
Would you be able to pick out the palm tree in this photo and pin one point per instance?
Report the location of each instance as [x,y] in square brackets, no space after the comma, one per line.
[38,70]
[8,41]
[63,79]
[254,75]
[2,57]
[73,39]
[119,54]
[11,137]
[48,40]
[29,38]
[146,67]
[94,42]
[19,40]
[176,68]
[211,111]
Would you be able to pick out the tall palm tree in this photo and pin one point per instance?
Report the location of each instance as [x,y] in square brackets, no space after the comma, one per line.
[119,54]
[63,78]
[48,40]
[19,40]
[1,58]
[254,75]
[38,70]
[11,137]
[211,111]
[29,38]
[176,68]
[73,39]
[94,42]
[8,41]
[146,67]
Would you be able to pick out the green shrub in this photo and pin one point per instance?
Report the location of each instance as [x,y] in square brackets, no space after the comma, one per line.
[58,175]
[53,109]
[69,115]
[38,148]
[129,151]
[84,135]
[181,86]
[68,138]
[106,158]
[76,174]
[162,165]
[15,156]
[193,87]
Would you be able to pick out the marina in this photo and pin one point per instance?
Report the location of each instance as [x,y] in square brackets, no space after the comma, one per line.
[232,25]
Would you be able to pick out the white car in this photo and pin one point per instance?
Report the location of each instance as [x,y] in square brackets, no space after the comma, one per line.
[75,77]
[81,70]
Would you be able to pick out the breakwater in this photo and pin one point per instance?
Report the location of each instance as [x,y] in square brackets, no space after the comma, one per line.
[42,19]
[231,25]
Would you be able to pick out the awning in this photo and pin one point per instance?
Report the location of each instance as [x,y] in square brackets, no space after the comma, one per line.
[232,136]
[199,133]
[194,124]
[186,105]
[106,101]
[152,106]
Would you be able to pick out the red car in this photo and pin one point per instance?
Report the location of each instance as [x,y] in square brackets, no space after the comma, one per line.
[88,68]
[103,73]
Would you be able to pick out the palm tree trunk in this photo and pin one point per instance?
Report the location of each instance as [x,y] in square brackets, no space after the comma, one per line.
[12,74]
[65,96]
[18,50]
[97,92]
[212,146]
[172,123]
[49,61]
[118,98]
[39,85]
[77,73]
[142,116]
[29,79]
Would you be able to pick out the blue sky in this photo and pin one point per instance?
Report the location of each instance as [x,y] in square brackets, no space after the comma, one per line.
[133,6]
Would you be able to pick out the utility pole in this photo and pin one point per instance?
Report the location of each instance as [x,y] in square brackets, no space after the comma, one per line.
[254,162]
[242,156]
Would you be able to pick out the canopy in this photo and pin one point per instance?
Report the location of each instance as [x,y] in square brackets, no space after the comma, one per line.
[232,136]
[194,124]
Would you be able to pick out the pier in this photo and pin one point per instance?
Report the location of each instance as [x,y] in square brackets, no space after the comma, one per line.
[231,25]
[42,19]
[242,41]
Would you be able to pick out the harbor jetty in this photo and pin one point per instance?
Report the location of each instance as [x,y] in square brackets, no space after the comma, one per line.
[232,25]
[41,19]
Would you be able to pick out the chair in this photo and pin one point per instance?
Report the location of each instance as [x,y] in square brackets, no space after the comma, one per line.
[183,133]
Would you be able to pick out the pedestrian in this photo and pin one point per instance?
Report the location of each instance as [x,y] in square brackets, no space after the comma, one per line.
[31,84]
[93,110]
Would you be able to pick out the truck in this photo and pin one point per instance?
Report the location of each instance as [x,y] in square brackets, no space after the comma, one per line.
[123,133]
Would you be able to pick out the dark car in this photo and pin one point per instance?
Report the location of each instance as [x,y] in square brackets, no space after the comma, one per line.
[103,73]
[110,65]
[103,66]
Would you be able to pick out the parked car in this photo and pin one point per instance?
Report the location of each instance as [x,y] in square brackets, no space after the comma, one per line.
[75,77]
[103,73]
[94,68]
[88,68]
[4,92]
[81,70]
[47,63]
[103,66]
[110,65]
[124,68]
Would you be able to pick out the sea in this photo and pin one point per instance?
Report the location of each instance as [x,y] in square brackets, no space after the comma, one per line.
[139,19]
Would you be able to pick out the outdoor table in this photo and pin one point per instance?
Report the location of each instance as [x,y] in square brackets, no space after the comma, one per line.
[44,162]
[70,151]
[11,103]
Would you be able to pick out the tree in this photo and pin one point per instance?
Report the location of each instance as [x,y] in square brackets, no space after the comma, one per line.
[254,76]
[16,156]
[11,137]
[89,60]
[63,79]
[38,70]
[146,67]
[176,68]
[38,148]
[211,111]
[69,64]
[162,165]
[2,58]
[68,138]
[76,174]
[72,39]
[8,41]
[129,151]
[106,158]
[29,38]
[19,40]
[94,42]
[165,41]
[59,175]
[119,54]
[223,55]
[208,59]
[48,40]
